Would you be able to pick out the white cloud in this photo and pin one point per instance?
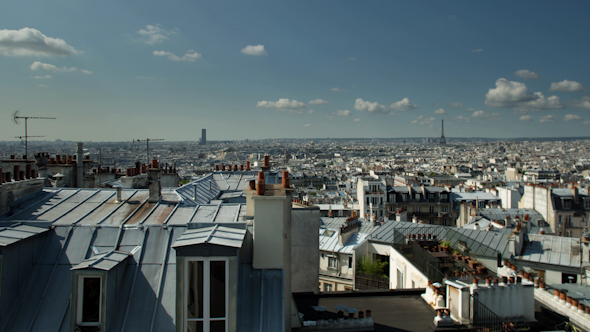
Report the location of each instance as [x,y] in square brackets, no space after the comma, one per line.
[357,120]
[440,111]
[423,120]
[342,113]
[526,74]
[307,125]
[572,117]
[567,86]
[351,58]
[31,42]
[403,105]
[284,104]
[310,112]
[548,118]
[471,109]
[485,115]
[189,56]
[47,66]
[456,105]
[526,118]
[477,50]
[254,50]
[318,102]
[540,103]
[462,118]
[339,90]
[508,94]
[584,102]
[586,123]
[153,34]
[329,117]
[42,85]
[42,77]
[370,107]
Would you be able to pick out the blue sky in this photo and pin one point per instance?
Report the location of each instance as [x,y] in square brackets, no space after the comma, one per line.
[119,70]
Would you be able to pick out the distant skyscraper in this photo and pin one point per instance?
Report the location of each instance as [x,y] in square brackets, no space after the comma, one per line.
[203,136]
[442,133]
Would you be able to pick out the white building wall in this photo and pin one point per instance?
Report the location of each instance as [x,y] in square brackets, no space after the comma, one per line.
[412,277]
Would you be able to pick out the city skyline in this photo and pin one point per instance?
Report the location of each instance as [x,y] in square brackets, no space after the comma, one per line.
[114,72]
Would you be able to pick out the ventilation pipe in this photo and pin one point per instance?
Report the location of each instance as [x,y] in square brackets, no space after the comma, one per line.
[196,186]
[119,199]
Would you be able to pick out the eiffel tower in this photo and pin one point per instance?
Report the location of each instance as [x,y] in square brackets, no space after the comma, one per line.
[442,133]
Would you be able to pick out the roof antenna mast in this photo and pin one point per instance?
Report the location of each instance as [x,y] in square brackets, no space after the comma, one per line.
[148,140]
[15,118]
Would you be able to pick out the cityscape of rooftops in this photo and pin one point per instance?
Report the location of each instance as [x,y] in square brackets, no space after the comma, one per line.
[266,165]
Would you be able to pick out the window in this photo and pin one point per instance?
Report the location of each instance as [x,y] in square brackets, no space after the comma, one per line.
[444,209]
[444,222]
[567,204]
[432,210]
[332,262]
[350,262]
[89,301]
[206,294]
[417,208]
[417,197]
[587,203]
[328,287]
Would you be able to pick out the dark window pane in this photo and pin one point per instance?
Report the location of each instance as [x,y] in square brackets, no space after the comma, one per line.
[195,292]
[218,326]
[195,326]
[217,289]
[91,300]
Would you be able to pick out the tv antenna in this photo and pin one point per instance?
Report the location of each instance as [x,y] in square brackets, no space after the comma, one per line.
[15,118]
[148,140]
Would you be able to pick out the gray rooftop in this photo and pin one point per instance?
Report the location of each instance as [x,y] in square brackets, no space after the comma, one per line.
[104,261]
[552,250]
[16,233]
[481,242]
[219,235]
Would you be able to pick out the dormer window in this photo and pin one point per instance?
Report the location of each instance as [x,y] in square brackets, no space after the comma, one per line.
[89,301]
[206,294]
[207,263]
[567,204]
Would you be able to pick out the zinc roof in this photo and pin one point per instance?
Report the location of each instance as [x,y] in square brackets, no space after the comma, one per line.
[104,261]
[13,234]
[550,249]
[219,235]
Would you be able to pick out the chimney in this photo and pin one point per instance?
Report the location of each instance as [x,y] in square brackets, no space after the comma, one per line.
[241,167]
[16,173]
[155,185]
[216,168]
[80,164]
[154,163]
[260,187]
[247,165]
[575,193]
[266,166]
[28,169]
[271,236]
[285,179]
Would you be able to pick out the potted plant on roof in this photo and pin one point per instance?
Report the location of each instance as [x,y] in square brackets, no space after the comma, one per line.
[472,263]
[445,245]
